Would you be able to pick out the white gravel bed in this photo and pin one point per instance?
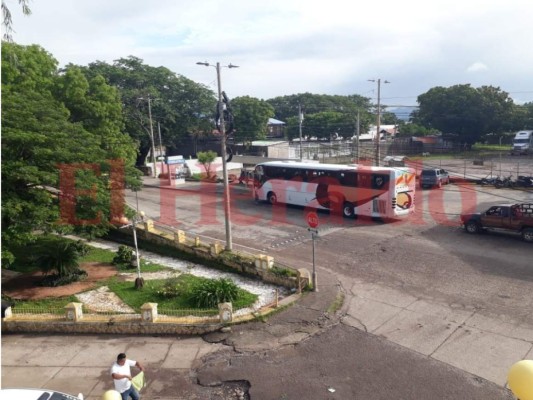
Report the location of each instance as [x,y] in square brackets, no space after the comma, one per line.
[266,292]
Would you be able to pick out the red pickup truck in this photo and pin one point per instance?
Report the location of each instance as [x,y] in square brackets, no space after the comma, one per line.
[504,217]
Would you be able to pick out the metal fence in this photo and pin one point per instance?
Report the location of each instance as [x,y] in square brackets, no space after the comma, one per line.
[46,313]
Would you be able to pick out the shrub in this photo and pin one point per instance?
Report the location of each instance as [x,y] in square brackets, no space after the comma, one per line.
[208,293]
[283,272]
[60,280]
[56,255]
[82,248]
[123,256]
[173,287]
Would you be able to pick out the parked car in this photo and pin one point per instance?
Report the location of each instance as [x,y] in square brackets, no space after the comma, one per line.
[36,394]
[505,217]
[434,177]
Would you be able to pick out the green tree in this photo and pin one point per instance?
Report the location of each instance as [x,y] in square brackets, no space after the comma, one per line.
[97,107]
[206,158]
[411,129]
[309,103]
[286,109]
[7,20]
[250,118]
[43,142]
[328,125]
[182,107]
[522,117]
[464,110]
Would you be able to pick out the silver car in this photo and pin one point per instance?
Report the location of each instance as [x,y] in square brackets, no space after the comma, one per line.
[434,177]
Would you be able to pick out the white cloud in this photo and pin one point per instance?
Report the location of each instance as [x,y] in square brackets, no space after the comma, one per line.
[477,67]
[289,46]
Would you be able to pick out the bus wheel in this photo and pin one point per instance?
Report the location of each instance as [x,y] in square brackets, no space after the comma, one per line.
[348,210]
[272,198]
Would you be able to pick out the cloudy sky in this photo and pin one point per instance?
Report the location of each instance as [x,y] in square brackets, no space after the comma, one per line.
[286,47]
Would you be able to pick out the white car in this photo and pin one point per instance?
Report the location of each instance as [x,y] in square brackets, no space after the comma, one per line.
[36,394]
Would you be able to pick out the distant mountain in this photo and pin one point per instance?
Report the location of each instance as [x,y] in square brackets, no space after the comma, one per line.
[402,113]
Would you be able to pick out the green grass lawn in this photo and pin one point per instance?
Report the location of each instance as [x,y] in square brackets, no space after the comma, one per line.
[51,305]
[135,298]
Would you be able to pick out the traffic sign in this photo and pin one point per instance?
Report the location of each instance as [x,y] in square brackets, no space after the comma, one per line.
[175,160]
[312,219]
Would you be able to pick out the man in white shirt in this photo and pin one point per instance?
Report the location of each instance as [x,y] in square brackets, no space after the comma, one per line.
[121,373]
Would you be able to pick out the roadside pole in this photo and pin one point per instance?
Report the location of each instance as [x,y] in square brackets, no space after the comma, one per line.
[312,221]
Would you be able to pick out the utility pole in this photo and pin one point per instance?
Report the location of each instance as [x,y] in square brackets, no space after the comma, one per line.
[152,134]
[161,154]
[151,131]
[300,120]
[358,127]
[378,122]
[227,211]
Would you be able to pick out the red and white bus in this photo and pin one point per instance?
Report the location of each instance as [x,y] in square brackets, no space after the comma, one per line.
[353,190]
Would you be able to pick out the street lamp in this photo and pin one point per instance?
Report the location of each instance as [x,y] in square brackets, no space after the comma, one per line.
[227,216]
[300,120]
[378,127]
[151,131]
[138,217]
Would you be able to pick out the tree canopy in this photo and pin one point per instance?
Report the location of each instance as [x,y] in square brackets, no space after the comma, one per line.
[324,116]
[180,106]
[7,20]
[63,148]
[250,118]
[466,111]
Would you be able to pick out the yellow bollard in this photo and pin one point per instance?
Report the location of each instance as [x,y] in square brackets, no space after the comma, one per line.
[520,379]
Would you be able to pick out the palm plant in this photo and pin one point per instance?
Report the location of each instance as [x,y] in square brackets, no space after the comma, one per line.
[58,256]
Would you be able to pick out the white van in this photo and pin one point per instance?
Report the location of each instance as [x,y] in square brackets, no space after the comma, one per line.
[522,143]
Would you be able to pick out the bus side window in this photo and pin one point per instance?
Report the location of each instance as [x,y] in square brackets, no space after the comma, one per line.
[279,173]
[297,175]
[348,178]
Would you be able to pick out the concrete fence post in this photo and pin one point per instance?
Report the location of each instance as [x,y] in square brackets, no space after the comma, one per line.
[215,248]
[179,237]
[149,312]
[7,313]
[149,225]
[225,312]
[74,311]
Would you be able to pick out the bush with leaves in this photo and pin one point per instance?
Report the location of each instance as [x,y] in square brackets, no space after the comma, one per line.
[173,287]
[208,293]
[82,248]
[58,259]
[56,280]
[123,256]
[57,255]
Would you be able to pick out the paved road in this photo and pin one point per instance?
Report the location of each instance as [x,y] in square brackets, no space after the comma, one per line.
[420,320]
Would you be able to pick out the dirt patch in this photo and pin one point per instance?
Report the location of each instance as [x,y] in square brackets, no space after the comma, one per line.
[25,286]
